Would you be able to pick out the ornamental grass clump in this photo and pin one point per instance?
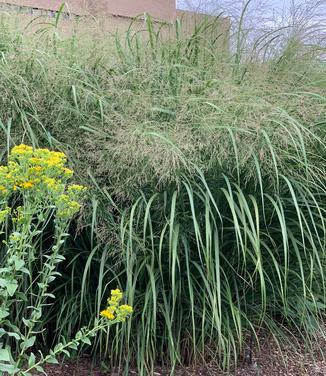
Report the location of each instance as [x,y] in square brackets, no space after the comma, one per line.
[37,204]
[207,176]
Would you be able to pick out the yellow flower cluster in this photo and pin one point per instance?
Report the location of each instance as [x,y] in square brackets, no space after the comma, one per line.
[114,310]
[29,167]
[66,206]
[43,173]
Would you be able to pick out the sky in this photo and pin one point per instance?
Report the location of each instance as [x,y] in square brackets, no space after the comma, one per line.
[279,12]
[305,19]
[259,8]
[268,6]
[184,4]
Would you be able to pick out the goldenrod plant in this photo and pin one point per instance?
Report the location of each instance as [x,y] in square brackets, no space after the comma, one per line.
[36,201]
[83,336]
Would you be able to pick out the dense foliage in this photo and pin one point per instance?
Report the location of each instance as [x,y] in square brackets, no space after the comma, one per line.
[206,172]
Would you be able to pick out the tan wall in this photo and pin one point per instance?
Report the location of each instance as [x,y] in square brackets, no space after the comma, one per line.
[74,6]
[218,27]
[159,9]
[108,24]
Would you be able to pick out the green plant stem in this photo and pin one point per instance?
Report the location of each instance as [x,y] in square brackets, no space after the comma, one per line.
[89,333]
[44,285]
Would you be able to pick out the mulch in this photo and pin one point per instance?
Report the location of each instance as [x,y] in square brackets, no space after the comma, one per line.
[270,360]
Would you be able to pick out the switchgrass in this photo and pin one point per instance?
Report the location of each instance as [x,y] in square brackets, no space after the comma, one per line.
[207,184]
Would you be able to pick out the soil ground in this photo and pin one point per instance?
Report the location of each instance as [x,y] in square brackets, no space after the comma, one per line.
[269,361]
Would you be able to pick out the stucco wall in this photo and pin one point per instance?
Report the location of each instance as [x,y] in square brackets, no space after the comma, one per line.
[219,28]
[107,22]
[74,6]
[159,9]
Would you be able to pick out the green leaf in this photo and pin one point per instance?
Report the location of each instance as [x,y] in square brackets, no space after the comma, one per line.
[40,369]
[14,335]
[60,258]
[25,270]
[78,335]
[37,314]
[31,360]
[86,340]
[3,313]
[52,360]
[74,346]
[8,368]
[4,355]
[28,343]
[11,286]
[66,352]
[58,347]
[27,323]
[22,296]
[19,263]
[9,334]
[48,295]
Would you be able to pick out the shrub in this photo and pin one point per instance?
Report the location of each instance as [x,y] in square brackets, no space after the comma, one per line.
[207,176]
